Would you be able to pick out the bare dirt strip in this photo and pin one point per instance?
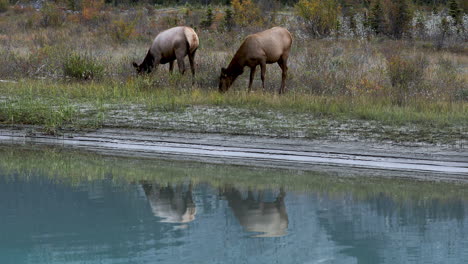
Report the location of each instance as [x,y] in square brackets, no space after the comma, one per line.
[427,162]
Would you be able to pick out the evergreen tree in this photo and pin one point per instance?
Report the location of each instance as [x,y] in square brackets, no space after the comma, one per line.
[401,17]
[376,17]
[352,21]
[208,21]
[455,12]
[228,19]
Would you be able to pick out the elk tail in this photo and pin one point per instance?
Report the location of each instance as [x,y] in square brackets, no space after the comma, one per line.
[192,39]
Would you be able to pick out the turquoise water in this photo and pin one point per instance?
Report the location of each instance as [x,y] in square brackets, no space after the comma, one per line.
[45,220]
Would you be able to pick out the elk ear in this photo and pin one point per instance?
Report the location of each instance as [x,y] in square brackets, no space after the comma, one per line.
[135,64]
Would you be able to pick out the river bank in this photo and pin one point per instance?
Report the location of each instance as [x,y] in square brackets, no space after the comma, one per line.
[423,161]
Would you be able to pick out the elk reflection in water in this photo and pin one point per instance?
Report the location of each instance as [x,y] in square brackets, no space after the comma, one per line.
[269,219]
[171,203]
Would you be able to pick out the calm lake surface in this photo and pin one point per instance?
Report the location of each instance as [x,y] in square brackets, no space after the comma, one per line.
[59,206]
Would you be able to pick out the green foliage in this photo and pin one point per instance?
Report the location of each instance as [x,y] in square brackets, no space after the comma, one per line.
[420,26]
[376,20]
[208,21]
[352,21]
[228,22]
[400,17]
[320,16]
[36,112]
[405,72]
[392,18]
[247,13]
[444,31]
[4,5]
[52,16]
[74,5]
[82,67]
[121,30]
[455,12]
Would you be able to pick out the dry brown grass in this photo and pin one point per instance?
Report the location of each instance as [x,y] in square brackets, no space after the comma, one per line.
[317,67]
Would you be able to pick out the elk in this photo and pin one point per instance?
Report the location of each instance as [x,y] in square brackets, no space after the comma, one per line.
[266,47]
[173,204]
[268,218]
[170,45]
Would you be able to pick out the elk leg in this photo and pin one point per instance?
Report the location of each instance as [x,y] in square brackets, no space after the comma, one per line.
[191,57]
[252,75]
[263,68]
[156,62]
[181,64]
[192,63]
[171,66]
[284,67]
[180,55]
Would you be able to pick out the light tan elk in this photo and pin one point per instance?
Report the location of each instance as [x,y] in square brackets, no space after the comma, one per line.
[269,219]
[266,47]
[173,204]
[168,46]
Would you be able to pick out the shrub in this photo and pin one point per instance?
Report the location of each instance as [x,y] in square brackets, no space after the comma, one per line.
[376,20]
[246,13]
[4,5]
[228,20]
[405,74]
[169,20]
[400,17]
[420,26]
[82,67]
[52,16]
[443,33]
[352,22]
[455,12]
[320,16]
[92,9]
[122,31]
[208,21]
[73,4]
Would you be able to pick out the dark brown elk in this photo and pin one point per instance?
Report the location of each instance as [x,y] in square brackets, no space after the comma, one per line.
[168,46]
[266,47]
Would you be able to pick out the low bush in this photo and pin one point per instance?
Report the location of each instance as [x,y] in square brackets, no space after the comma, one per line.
[246,13]
[320,16]
[405,73]
[4,5]
[82,67]
[122,31]
[52,16]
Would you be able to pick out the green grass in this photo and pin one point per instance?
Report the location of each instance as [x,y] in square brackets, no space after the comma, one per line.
[43,103]
[73,167]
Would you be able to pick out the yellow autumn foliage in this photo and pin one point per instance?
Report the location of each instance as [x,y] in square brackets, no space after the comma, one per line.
[246,13]
[320,16]
[92,8]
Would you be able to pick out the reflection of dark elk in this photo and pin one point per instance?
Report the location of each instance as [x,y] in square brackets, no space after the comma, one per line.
[172,204]
[266,47]
[168,46]
[255,215]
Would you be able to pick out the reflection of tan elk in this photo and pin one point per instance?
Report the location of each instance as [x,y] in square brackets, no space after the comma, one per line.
[172,204]
[268,218]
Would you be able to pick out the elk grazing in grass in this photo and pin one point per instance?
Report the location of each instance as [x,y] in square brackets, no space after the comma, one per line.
[266,47]
[170,45]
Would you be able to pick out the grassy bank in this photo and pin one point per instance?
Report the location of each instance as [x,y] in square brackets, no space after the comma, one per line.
[78,105]
[75,73]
